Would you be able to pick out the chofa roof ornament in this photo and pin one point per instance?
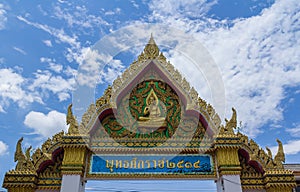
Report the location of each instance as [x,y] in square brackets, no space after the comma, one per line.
[72,122]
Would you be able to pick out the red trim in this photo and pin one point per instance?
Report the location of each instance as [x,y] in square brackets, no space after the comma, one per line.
[45,164]
[256,165]
[105,113]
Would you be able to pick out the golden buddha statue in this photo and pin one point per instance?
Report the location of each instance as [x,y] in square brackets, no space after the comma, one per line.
[152,115]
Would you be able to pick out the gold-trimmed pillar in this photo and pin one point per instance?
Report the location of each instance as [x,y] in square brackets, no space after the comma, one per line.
[74,163]
[227,162]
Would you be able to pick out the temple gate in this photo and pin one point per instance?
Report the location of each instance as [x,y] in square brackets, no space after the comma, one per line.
[150,124]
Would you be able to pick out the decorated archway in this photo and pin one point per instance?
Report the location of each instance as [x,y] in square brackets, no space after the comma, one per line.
[150,124]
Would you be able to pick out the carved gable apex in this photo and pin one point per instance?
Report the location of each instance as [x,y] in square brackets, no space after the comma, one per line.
[151,51]
[153,59]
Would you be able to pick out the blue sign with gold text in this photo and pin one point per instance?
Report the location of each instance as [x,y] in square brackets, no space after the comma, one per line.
[151,164]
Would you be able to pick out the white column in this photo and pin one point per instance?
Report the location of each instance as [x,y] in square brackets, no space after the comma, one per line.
[72,183]
[229,183]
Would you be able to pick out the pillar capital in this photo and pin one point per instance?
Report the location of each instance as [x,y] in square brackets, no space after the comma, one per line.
[226,147]
[75,152]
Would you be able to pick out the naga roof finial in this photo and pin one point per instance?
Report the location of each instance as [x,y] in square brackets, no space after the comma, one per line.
[23,162]
[19,155]
[232,123]
[27,153]
[269,152]
[280,156]
[73,128]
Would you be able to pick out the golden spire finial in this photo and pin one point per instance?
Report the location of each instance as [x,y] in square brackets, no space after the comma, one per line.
[151,40]
[151,50]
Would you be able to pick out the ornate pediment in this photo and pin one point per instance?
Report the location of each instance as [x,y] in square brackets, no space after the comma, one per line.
[125,110]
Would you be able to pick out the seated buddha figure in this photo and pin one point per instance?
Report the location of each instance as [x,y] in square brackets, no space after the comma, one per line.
[152,115]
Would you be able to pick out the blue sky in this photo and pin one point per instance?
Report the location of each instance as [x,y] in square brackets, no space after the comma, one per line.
[254,44]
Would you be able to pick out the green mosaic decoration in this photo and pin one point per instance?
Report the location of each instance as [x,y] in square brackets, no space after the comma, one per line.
[132,119]
[151,110]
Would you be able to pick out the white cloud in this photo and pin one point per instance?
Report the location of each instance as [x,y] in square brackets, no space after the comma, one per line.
[45,60]
[116,11]
[135,4]
[52,65]
[55,67]
[45,81]
[20,50]
[114,69]
[3,18]
[181,8]
[109,13]
[46,125]
[62,96]
[62,1]
[97,67]
[3,148]
[14,88]
[258,56]
[11,89]
[1,109]
[79,17]
[70,71]
[47,43]
[295,131]
[58,33]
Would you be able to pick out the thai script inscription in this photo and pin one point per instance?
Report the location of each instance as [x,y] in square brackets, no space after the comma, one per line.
[151,164]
